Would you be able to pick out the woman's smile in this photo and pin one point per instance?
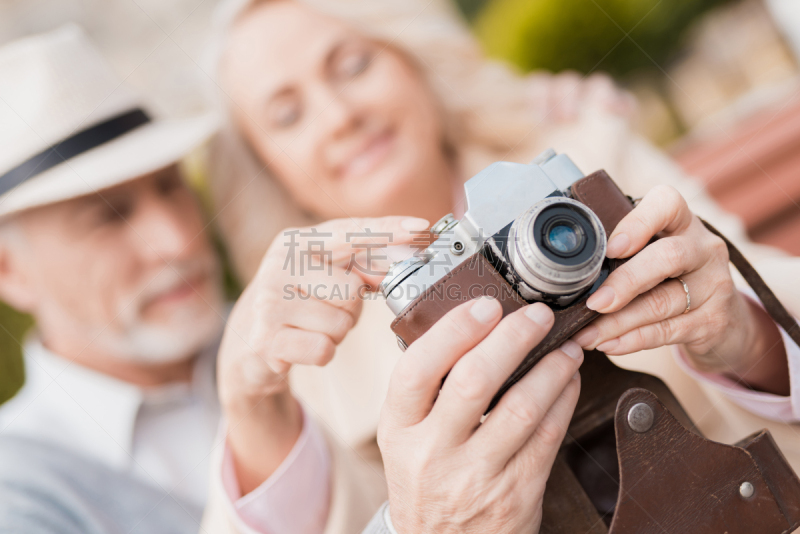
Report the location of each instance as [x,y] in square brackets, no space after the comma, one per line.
[366,156]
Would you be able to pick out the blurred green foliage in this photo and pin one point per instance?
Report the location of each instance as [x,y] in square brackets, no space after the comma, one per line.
[470,8]
[13,326]
[616,36]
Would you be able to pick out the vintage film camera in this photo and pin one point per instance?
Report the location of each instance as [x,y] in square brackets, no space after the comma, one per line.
[632,461]
[531,233]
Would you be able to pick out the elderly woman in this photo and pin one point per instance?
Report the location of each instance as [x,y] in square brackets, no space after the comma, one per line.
[364,109]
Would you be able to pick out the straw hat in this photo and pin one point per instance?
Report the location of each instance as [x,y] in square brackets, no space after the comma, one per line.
[70,127]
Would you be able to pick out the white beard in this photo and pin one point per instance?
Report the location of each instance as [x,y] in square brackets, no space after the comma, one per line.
[156,344]
[179,337]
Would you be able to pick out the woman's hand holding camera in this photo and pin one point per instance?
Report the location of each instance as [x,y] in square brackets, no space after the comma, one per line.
[305,298]
[447,471]
[645,306]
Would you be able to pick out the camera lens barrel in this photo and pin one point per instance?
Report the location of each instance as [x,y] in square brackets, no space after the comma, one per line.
[557,247]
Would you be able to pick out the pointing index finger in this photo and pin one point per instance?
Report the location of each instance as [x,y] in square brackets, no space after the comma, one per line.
[340,236]
[340,241]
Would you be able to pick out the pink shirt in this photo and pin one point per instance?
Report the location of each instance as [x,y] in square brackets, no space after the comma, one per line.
[295,499]
[767,405]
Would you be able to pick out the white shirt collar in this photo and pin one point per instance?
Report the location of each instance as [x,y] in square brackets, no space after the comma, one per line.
[90,412]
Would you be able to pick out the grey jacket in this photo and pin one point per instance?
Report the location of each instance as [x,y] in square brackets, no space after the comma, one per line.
[45,489]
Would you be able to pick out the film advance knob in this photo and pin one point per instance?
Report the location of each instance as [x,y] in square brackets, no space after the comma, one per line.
[444,224]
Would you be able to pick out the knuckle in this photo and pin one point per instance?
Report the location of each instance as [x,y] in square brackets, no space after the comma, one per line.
[638,338]
[668,330]
[667,195]
[627,277]
[407,377]
[470,383]
[353,309]
[450,330]
[523,410]
[718,248]
[599,77]
[608,326]
[673,253]
[343,325]
[521,332]
[384,433]
[550,432]
[660,302]
[322,350]
[566,80]
[639,222]
[504,508]
[704,331]
[725,286]
[357,305]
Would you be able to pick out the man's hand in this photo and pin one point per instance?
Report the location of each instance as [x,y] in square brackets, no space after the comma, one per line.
[305,298]
[447,471]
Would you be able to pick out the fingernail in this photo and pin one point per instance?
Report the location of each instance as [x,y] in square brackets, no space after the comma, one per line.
[602,298]
[606,346]
[572,349]
[576,376]
[484,309]
[539,313]
[415,224]
[587,336]
[617,246]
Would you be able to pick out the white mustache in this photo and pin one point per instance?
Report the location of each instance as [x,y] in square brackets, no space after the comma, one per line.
[168,279]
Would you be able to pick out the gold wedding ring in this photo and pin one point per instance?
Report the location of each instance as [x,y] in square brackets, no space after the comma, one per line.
[688,297]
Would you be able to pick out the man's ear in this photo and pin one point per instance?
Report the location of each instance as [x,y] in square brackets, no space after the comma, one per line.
[16,287]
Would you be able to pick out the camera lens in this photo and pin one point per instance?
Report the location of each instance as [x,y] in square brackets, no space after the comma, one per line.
[557,246]
[564,237]
[564,234]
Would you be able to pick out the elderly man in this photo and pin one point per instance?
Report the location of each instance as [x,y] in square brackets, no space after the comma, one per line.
[113,431]
[103,243]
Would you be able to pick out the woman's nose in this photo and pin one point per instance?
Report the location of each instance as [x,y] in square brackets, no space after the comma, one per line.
[339,115]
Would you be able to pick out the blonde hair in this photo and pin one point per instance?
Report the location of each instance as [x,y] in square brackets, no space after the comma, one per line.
[484,105]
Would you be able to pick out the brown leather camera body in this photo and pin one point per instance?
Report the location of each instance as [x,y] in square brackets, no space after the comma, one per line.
[632,461]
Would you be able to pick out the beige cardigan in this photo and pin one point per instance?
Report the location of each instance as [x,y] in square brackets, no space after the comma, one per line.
[346,396]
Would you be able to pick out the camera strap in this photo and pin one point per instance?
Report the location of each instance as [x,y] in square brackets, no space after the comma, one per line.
[771,303]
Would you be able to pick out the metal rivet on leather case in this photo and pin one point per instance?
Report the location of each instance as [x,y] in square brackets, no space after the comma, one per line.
[640,417]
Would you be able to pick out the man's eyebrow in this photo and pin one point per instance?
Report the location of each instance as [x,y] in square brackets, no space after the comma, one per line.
[86,204]
[88,201]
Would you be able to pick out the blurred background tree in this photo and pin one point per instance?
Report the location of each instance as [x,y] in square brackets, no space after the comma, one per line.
[686,61]
[12,329]
[616,36]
